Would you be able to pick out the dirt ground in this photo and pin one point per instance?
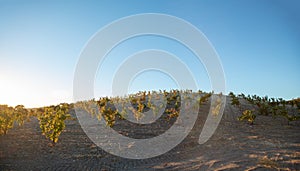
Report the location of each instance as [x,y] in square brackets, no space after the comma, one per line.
[269,144]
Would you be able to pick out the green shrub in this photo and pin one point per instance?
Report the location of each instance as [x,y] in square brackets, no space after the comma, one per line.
[205,98]
[9,116]
[172,113]
[248,115]
[234,100]
[52,121]
[6,119]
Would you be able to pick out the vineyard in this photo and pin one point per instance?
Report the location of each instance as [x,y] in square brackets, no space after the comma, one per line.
[258,132]
[52,118]
[276,107]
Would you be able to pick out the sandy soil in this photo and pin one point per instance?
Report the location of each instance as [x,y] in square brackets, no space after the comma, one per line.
[269,144]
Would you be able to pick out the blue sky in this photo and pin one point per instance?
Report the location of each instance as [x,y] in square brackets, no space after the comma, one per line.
[40,44]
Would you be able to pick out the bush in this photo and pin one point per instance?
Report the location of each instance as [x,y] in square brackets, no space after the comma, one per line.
[234,100]
[52,121]
[9,116]
[248,115]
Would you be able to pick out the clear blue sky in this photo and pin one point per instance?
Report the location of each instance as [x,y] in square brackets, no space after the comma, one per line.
[258,42]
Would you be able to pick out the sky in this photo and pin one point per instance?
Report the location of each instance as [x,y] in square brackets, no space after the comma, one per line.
[41,41]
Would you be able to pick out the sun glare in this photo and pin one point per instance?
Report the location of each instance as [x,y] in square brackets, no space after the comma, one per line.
[15,91]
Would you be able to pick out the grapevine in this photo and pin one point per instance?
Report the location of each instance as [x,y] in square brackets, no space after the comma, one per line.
[52,121]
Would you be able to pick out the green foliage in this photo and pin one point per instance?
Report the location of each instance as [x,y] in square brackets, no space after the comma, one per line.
[275,106]
[133,100]
[217,105]
[109,115]
[231,94]
[242,96]
[21,114]
[177,103]
[264,108]
[108,111]
[141,106]
[247,115]
[52,121]
[295,103]
[91,107]
[9,116]
[52,118]
[172,113]
[6,119]
[173,95]
[205,98]
[234,100]
[154,110]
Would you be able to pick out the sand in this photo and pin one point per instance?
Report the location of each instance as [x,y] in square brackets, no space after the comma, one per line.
[269,144]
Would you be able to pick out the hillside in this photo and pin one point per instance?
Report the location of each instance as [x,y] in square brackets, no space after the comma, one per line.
[268,143]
